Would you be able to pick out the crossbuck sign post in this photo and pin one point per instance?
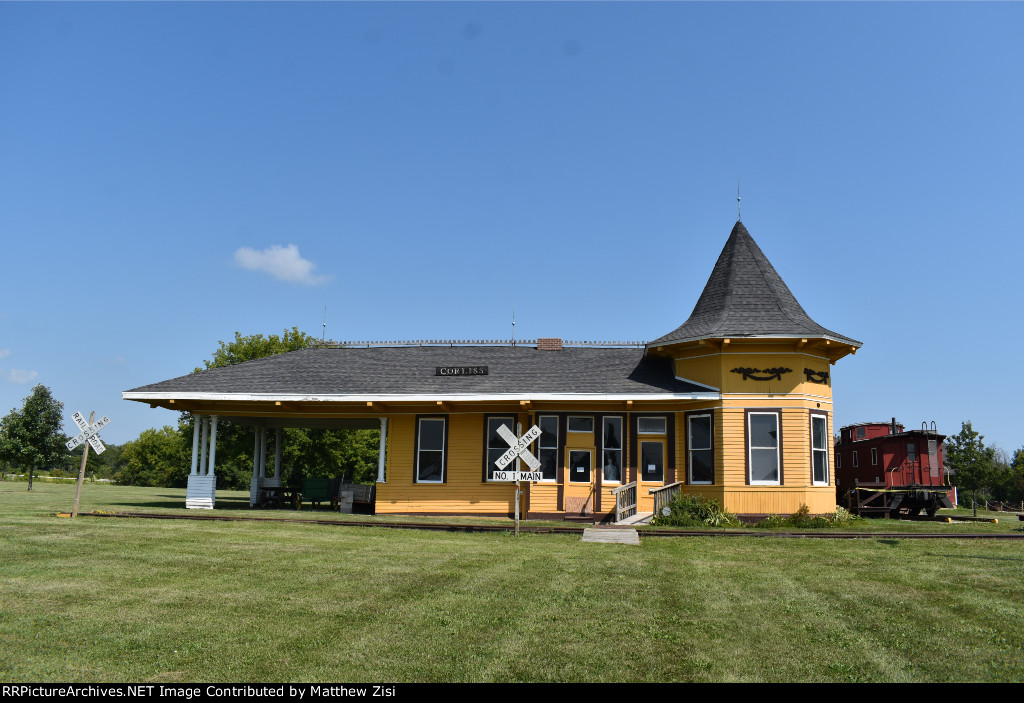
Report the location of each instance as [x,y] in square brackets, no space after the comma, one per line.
[518,450]
[89,434]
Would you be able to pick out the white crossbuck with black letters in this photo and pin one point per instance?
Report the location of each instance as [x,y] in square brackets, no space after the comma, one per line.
[90,433]
[518,449]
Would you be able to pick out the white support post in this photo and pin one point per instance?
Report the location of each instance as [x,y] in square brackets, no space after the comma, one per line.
[277,454]
[254,483]
[263,452]
[195,446]
[202,483]
[212,468]
[383,449]
[203,444]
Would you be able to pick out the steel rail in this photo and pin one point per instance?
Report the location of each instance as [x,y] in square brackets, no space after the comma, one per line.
[459,527]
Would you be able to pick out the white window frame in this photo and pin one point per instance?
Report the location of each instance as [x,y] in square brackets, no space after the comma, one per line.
[558,459]
[823,450]
[690,448]
[487,449]
[777,448]
[856,464]
[568,424]
[621,450]
[660,433]
[420,449]
[874,456]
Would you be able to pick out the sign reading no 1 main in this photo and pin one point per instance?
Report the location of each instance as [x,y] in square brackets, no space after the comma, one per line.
[518,448]
[90,433]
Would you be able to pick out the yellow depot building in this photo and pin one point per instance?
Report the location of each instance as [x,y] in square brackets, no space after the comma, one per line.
[734,404]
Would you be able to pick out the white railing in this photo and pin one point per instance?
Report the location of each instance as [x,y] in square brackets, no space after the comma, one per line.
[665,495]
[625,501]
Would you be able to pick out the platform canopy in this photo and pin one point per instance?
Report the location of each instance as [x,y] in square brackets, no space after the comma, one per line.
[369,376]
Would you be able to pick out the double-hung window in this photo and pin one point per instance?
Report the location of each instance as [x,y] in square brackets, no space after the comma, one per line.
[496,444]
[547,446]
[700,463]
[431,438]
[612,447]
[819,450]
[763,458]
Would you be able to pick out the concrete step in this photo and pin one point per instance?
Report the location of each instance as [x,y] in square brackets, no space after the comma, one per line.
[611,536]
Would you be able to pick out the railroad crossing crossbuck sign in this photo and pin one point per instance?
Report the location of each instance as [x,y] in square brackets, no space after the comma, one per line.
[90,433]
[518,448]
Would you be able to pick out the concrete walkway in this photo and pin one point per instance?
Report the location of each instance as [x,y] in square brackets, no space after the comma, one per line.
[610,536]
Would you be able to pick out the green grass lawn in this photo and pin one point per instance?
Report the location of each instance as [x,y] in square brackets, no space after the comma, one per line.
[171,601]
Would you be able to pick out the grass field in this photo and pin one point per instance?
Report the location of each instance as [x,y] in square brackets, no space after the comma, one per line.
[170,601]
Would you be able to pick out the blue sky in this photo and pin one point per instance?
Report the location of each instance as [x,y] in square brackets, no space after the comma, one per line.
[171,173]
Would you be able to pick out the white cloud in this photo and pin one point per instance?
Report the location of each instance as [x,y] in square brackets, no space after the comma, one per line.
[19,375]
[4,353]
[283,263]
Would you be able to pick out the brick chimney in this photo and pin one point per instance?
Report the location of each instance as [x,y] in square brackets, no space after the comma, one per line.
[549,343]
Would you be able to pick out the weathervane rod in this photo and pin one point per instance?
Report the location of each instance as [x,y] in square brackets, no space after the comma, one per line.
[739,216]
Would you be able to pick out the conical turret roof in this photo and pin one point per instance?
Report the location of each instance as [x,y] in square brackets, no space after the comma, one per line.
[746,297]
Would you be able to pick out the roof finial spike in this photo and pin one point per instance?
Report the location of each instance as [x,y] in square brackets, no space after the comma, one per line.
[513,325]
[739,217]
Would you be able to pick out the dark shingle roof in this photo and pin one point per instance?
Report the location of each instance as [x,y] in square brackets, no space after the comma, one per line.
[411,371]
[746,297]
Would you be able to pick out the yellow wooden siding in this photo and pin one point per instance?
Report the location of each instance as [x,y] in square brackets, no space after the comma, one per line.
[780,500]
[543,497]
[770,500]
[734,467]
[706,370]
[716,369]
[463,490]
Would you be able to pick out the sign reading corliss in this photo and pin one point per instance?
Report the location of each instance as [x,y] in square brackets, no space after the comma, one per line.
[461,371]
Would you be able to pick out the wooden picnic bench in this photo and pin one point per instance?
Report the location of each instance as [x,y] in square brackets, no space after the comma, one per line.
[316,491]
[341,496]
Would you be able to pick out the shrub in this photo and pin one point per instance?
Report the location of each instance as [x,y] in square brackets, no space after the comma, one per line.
[803,518]
[695,511]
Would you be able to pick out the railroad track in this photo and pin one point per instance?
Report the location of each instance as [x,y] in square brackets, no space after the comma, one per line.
[459,527]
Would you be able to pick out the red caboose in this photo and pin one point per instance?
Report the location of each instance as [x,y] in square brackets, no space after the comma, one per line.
[891,470]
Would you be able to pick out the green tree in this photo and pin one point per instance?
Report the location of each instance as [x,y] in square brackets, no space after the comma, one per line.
[32,437]
[256,346]
[235,441]
[970,462]
[313,453]
[1009,481]
[156,458]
